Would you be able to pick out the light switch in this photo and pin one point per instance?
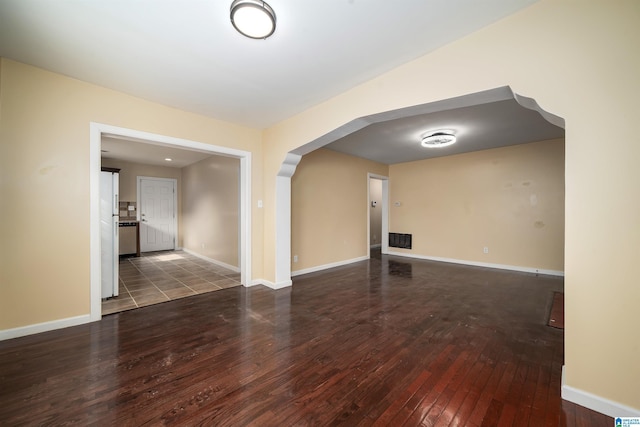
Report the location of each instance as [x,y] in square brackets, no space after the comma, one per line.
[259,203]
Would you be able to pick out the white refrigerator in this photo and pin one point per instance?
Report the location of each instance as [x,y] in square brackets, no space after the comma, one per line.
[109,209]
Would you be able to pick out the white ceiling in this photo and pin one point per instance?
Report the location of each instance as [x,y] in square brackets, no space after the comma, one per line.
[147,153]
[186,54]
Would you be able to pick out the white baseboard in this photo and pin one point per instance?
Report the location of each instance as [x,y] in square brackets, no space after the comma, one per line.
[212,261]
[43,327]
[596,403]
[280,285]
[326,266]
[482,264]
[254,282]
[272,285]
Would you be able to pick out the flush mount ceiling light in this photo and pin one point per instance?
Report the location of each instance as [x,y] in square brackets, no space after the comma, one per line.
[252,18]
[438,138]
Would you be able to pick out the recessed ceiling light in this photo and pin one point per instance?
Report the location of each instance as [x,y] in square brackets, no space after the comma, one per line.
[168,159]
[438,138]
[253,18]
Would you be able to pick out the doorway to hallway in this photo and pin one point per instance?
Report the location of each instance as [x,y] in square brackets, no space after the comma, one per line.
[378,214]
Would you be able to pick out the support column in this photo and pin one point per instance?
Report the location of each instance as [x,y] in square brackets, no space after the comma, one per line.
[283,220]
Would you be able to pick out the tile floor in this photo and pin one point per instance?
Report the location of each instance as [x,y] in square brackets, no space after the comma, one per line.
[157,277]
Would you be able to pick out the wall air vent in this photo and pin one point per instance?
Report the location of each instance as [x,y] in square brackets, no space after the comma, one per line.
[398,240]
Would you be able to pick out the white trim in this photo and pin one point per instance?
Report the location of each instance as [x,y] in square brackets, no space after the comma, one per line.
[212,261]
[279,285]
[44,327]
[283,220]
[174,181]
[327,266]
[271,285]
[254,282]
[245,218]
[96,130]
[95,264]
[596,403]
[384,238]
[483,264]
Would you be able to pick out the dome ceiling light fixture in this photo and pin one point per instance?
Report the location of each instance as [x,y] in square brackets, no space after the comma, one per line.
[253,18]
[438,138]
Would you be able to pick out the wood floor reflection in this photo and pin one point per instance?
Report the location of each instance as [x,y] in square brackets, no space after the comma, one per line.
[389,341]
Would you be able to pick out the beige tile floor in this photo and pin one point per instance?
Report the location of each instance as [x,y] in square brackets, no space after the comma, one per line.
[157,277]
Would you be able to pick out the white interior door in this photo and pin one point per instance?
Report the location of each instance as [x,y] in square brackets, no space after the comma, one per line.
[158,224]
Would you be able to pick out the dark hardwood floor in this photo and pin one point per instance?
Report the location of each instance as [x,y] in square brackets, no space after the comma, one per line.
[389,341]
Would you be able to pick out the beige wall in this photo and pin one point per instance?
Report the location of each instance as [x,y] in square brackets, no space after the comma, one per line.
[210,193]
[128,178]
[560,53]
[44,178]
[329,208]
[509,199]
[375,213]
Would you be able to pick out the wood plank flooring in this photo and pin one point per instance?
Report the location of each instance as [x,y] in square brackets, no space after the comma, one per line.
[389,341]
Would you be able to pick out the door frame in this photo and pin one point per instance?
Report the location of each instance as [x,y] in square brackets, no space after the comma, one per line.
[96,131]
[175,204]
[384,236]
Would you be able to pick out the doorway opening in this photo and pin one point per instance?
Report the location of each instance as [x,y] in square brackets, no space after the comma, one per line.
[378,217]
[391,130]
[97,132]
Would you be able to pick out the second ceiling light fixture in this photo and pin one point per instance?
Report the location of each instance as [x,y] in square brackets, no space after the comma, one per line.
[438,138]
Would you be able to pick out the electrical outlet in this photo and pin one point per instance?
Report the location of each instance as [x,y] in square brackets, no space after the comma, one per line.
[485,249]
[295,258]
